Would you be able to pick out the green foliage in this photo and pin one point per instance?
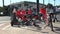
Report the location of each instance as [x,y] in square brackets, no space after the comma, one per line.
[5,10]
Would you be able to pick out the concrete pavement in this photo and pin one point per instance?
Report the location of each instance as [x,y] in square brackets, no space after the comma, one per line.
[7,29]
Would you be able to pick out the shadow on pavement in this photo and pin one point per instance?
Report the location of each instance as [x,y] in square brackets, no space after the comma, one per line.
[16,26]
[58,21]
[57,30]
[56,27]
[28,28]
[45,32]
[33,29]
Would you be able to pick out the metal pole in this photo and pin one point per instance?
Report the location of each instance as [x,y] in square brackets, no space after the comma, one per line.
[10,7]
[37,6]
[3,7]
[10,3]
[43,1]
[54,2]
[49,1]
[3,2]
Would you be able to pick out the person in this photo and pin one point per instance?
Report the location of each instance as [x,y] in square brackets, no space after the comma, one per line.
[29,16]
[19,16]
[51,13]
[23,12]
[29,11]
[24,19]
[13,17]
[55,18]
[14,14]
[44,15]
[36,20]
[18,13]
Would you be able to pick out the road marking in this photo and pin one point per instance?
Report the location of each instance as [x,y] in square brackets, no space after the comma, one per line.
[6,27]
[25,27]
[4,21]
[2,24]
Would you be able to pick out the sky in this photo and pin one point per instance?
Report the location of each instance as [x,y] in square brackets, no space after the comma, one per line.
[7,2]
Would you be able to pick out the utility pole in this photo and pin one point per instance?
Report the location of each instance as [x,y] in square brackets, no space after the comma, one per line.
[37,6]
[10,3]
[49,1]
[3,2]
[43,2]
[3,8]
[10,8]
[54,2]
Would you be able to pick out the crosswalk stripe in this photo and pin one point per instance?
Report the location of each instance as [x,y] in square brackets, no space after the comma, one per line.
[4,21]
[5,27]
[2,24]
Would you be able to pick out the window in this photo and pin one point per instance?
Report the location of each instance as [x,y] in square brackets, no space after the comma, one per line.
[19,5]
[25,4]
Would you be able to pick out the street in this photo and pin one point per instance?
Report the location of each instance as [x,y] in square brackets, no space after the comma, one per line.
[29,17]
[6,28]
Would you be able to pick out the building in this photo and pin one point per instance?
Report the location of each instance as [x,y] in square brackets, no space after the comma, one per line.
[25,5]
[58,8]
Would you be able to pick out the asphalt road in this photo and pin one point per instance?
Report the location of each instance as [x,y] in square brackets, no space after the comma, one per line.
[4,18]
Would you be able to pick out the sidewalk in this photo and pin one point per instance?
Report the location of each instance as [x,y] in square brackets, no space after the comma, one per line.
[31,30]
[47,30]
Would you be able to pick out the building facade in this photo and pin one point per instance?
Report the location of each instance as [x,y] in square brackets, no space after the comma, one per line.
[26,4]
